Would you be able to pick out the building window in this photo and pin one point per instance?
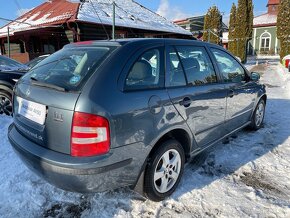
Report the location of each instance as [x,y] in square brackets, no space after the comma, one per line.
[265,42]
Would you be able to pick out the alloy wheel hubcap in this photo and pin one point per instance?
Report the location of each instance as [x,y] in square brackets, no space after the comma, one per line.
[5,105]
[167,171]
[260,114]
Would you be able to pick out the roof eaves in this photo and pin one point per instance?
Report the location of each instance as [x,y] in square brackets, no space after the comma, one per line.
[265,25]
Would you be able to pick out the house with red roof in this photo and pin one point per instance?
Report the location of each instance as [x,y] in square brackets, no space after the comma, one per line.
[55,23]
[264,39]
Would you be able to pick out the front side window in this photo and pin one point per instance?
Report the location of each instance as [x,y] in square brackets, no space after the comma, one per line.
[231,70]
[146,73]
[196,64]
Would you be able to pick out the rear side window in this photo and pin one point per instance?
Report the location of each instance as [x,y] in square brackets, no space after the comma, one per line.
[231,70]
[195,63]
[71,67]
[146,72]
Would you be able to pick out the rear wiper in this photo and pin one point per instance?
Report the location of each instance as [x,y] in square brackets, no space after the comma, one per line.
[34,81]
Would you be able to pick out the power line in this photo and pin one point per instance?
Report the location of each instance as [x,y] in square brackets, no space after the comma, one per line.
[9,20]
[17,5]
[108,37]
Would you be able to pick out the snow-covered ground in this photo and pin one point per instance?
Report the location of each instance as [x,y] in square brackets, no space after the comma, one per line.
[248,177]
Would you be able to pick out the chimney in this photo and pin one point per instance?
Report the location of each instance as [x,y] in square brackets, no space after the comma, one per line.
[273,6]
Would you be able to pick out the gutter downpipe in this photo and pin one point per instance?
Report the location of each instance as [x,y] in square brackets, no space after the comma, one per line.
[75,32]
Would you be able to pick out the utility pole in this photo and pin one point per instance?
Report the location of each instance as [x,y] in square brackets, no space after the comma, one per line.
[114,20]
[8,41]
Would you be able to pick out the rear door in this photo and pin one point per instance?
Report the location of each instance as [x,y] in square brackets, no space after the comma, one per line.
[241,91]
[193,87]
[143,103]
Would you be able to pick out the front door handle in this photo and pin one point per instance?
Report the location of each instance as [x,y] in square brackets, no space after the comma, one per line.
[231,93]
[186,102]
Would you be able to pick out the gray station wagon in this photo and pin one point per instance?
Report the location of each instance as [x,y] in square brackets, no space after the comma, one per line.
[106,114]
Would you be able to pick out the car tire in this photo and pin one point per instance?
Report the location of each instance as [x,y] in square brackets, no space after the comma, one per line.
[258,115]
[164,170]
[5,103]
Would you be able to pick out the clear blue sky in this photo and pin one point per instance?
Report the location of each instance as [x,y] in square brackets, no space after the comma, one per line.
[171,9]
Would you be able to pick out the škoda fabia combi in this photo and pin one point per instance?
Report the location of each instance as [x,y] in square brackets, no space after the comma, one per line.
[106,114]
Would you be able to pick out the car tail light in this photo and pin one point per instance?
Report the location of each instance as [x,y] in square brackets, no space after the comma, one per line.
[90,135]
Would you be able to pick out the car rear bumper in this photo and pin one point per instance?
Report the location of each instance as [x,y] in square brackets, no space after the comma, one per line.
[119,168]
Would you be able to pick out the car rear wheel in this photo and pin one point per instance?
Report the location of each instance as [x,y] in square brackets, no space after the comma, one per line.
[164,170]
[258,116]
[5,103]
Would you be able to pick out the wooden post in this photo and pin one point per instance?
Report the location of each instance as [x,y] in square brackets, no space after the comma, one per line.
[8,41]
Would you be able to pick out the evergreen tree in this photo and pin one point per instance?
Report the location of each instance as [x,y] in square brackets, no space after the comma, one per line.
[283,27]
[212,25]
[232,30]
[206,26]
[244,27]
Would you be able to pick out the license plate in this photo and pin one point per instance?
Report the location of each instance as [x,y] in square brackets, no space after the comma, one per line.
[31,110]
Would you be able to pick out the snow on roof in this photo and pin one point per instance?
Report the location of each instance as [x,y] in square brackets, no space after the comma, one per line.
[128,14]
[265,20]
[48,13]
[225,38]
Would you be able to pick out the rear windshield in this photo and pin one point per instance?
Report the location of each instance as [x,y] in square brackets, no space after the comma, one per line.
[69,68]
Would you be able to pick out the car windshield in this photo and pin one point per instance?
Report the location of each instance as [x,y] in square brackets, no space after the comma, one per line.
[69,68]
[35,61]
[7,63]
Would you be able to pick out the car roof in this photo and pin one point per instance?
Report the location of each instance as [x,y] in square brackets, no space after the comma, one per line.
[141,41]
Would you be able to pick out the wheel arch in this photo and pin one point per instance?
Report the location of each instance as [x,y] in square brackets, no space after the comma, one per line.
[179,134]
[7,86]
[264,97]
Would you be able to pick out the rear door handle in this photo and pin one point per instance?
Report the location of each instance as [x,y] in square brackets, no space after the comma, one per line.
[186,102]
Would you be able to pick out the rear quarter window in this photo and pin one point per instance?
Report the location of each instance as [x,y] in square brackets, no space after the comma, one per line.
[71,67]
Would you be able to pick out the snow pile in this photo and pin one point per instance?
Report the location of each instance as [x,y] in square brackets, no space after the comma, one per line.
[265,19]
[128,14]
[248,177]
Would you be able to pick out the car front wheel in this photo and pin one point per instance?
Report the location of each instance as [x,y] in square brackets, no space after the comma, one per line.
[258,116]
[164,170]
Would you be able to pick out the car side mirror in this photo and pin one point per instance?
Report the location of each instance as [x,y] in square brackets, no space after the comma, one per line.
[255,76]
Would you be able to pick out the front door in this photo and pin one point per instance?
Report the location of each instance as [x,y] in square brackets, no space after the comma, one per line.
[194,90]
[241,91]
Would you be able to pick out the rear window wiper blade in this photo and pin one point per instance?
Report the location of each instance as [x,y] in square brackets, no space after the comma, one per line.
[34,81]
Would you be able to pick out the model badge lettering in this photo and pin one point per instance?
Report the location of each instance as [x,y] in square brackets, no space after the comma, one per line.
[57,116]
